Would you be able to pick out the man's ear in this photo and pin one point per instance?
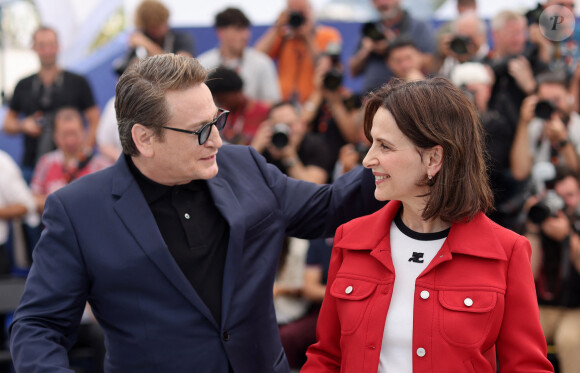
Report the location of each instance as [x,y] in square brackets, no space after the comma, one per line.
[434,160]
[143,138]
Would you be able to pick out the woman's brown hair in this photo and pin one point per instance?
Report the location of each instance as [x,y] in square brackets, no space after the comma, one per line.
[434,112]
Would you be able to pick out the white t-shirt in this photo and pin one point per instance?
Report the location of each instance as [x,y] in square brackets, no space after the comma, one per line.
[411,253]
[256,69]
[13,189]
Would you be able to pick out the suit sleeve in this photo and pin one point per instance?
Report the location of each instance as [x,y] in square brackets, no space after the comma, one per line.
[45,323]
[314,211]
[325,354]
[521,345]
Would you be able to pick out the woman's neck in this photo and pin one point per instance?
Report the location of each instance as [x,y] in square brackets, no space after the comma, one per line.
[411,216]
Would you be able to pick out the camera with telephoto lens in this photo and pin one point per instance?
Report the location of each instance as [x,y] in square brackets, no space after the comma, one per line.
[460,44]
[544,176]
[544,109]
[296,19]
[333,78]
[280,135]
[548,206]
[370,30]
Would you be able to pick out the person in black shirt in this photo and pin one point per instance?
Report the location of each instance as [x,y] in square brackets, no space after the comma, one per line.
[514,64]
[556,266]
[176,259]
[37,98]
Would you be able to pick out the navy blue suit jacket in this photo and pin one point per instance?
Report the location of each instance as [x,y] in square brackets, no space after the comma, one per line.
[101,244]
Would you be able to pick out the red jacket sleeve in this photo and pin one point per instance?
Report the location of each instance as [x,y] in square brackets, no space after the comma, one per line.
[521,345]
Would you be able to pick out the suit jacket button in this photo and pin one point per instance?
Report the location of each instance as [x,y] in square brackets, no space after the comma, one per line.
[226,336]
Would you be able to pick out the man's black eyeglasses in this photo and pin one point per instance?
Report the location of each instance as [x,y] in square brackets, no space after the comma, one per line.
[205,130]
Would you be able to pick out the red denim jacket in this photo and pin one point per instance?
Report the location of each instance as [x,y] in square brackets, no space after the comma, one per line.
[479,261]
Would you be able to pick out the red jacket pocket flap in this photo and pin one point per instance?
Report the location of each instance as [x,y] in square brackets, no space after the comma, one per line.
[468,300]
[351,289]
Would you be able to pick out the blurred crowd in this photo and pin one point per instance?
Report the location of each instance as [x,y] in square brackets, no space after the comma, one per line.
[287,99]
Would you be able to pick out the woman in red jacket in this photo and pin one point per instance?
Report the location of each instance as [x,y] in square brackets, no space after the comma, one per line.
[428,283]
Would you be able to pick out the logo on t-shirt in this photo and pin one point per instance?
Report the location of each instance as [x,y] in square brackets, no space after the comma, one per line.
[417,257]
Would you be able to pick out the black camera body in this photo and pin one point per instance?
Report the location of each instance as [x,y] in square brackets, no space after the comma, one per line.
[544,109]
[370,30]
[548,206]
[296,19]
[332,79]
[460,44]
[280,135]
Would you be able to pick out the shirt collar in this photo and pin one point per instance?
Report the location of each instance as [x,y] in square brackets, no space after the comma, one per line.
[153,191]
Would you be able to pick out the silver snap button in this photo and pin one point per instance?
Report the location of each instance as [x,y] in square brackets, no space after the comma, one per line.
[187,216]
[348,289]
[425,294]
[420,352]
[468,302]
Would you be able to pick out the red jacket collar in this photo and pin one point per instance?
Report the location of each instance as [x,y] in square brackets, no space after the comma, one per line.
[477,237]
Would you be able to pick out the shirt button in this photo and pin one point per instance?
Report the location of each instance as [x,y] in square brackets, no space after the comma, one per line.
[186,216]
[420,352]
[226,336]
[348,289]
[424,294]
[468,302]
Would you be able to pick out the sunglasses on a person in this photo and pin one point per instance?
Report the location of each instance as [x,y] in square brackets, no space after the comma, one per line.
[205,130]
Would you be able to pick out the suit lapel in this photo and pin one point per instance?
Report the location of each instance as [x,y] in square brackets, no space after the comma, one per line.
[228,205]
[133,210]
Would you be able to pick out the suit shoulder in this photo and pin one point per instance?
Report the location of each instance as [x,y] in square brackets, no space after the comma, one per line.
[87,186]
[237,155]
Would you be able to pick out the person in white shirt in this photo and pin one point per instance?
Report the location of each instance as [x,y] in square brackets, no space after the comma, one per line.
[16,201]
[256,69]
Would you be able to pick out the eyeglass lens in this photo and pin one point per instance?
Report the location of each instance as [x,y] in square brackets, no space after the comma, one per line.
[219,122]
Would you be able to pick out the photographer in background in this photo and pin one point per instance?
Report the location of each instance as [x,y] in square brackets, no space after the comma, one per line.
[332,111]
[294,42]
[548,129]
[509,195]
[246,114]
[283,140]
[153,36]
[233,30]
[37,98]
[465,41]
[369,59]
[514,66]
[552,229]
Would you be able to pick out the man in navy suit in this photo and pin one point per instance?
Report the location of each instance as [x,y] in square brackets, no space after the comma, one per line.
[176,260]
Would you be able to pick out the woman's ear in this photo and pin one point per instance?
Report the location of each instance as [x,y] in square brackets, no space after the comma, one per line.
[434,160]
[143,139]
